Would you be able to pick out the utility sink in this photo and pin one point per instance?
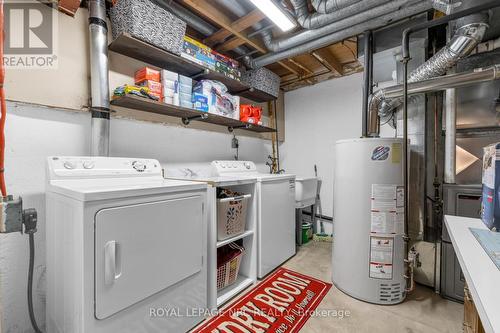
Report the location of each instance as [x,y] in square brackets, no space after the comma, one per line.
[305,191]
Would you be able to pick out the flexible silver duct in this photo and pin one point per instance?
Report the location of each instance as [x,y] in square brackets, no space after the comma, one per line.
[338,36]
[362,10]
[371,8]
[99,80]
[463,42]
[282,44]
[328,6]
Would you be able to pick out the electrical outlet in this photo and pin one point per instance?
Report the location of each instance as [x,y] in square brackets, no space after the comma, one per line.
[11,218]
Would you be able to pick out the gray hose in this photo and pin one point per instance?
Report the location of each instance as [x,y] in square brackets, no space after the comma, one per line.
[30,284]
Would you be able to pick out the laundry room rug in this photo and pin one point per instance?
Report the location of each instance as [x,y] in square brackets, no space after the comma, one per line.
[282,303]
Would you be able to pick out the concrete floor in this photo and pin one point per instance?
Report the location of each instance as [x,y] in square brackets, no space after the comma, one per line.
[423,311]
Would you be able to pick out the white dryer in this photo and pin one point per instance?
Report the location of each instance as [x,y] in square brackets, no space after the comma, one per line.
[126,249]
[275,213]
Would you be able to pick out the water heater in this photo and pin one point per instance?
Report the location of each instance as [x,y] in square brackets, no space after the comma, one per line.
[368,246]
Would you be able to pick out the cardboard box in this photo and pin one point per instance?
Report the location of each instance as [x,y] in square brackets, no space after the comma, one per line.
[490,205]
[200,102]
[153,86]
[198,53]
[147,73]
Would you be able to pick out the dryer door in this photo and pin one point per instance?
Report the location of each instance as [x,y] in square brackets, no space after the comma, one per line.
[142,249]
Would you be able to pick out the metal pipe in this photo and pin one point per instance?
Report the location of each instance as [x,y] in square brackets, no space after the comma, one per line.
[328,6]
[368,77]
[406,205]
[441,83]
[338,36]
[99,80]
[324,25]
[366,8]
[450,137]
[443,20]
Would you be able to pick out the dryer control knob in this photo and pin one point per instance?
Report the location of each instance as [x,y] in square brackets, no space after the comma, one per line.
[88,165]
[69,165]
[139,166]
[247,165]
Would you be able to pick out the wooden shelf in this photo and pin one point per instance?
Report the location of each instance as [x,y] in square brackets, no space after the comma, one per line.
[147,105]
[132,47]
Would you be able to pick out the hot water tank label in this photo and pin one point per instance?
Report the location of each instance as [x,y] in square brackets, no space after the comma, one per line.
[387,209]
[381,256]
[381,153]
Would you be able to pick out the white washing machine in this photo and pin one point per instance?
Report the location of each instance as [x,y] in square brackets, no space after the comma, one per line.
[126,249]
[275,213]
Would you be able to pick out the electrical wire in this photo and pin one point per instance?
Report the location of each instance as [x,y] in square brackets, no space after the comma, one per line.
[3,105]
[30,283]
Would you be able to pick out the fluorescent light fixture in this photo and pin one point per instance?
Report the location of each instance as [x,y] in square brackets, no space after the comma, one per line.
[275,14]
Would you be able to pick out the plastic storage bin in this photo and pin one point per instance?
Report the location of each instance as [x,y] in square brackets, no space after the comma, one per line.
[228,264]
[148,22]
[231,216]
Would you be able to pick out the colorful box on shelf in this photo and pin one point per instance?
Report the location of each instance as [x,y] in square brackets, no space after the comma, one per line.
[219,101]
[198,53]
[200,102]
[145,20]
[153,86]
[146,73]
[227,66]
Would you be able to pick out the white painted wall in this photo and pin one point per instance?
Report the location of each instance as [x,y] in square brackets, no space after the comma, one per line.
[317,117]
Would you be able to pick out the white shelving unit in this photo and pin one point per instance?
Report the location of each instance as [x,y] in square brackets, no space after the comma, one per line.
[248,267]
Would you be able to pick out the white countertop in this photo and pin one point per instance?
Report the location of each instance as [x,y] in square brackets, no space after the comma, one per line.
[481,274]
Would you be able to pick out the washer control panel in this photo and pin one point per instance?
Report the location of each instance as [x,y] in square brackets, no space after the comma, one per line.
[96,167]
[224,167]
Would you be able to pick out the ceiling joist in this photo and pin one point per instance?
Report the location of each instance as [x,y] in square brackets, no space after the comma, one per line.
[207,9]
[239,25]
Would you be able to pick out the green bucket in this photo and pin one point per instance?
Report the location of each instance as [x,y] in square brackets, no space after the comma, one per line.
[306,232]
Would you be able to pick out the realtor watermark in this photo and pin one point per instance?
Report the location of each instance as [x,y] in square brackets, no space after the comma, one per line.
[166,312]
[30,30]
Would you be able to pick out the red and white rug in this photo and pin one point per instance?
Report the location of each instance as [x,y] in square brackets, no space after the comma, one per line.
[281,303]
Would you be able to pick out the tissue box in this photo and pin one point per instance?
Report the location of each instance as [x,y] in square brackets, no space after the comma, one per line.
[490,206]
[200,102]
[145,20]
[262,79]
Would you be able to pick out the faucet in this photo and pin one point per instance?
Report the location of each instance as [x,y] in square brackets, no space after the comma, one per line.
[189,173]
[273,165]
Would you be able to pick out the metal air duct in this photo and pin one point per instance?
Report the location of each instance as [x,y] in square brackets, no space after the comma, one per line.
[466,38]
[328,6]
[353,30]
[99,80]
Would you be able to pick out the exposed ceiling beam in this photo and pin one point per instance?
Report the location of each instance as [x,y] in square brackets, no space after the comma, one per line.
[288,67]
[231,44]
[328,59]
[207,9]
[301,66]
[239,25]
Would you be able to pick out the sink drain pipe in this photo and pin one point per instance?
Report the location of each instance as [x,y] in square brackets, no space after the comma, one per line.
[99,80]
